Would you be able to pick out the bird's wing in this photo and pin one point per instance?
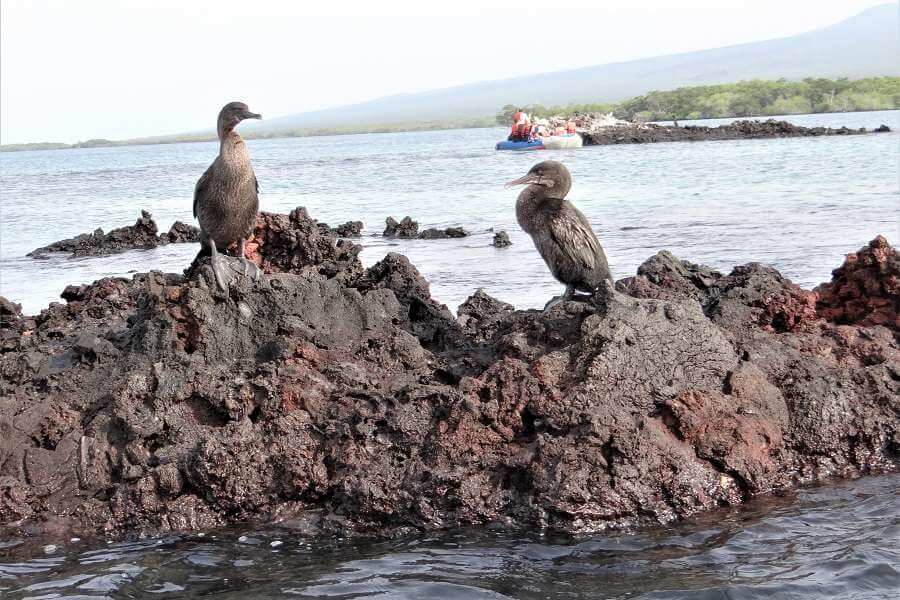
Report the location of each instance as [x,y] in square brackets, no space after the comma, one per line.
[573,235]
[201,187]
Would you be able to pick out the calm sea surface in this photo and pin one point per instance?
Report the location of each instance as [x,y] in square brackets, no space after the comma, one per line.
[798,204]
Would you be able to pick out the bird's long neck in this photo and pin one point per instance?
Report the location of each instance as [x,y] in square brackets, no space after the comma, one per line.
[528,203]
[232,149]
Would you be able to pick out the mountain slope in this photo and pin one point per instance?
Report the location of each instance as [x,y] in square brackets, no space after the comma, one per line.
[861,46]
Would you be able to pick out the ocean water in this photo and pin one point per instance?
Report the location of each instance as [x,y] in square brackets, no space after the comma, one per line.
[838,541]
[797,204]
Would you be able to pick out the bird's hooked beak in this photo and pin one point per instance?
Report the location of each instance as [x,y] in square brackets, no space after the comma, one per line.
[531,178]
[251,115]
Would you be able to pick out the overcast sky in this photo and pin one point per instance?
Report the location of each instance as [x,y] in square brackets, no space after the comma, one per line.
[73,70]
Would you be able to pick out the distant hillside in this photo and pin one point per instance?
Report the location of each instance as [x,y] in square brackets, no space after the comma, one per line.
[863,46]
[866,45]
[742,99]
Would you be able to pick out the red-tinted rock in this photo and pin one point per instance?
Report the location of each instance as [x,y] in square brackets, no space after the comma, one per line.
[295,243]
[865,290]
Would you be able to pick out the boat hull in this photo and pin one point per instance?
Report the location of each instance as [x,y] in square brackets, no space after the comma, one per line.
[531,145]
[563,142]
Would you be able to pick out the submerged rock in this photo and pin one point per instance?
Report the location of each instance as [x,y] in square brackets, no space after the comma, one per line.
[407,228]
[351,398]
[501,239]
[440,234]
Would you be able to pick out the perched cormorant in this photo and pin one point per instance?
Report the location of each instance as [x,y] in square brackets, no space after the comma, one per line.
[226,195]
[561,233]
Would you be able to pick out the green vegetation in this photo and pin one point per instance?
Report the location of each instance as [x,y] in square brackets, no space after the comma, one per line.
[34,146]
[742,99]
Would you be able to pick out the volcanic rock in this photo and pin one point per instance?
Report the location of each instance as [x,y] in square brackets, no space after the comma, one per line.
[297,243]
[143,234]
[348,229]
[865,290]
[181,233]
[351,398]
[501,239]
[440,234]
[407,228]
[746,129]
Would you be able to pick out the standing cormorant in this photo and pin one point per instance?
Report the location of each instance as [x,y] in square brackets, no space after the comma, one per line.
[561,233]
[226,195]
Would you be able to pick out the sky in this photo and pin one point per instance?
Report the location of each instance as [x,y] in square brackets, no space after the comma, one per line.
[117,69]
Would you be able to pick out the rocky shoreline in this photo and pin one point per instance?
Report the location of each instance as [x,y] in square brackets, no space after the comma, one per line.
[347,400]
[748,129]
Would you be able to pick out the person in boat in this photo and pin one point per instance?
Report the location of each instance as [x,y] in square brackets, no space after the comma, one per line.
[570,126]
[521,128]
[514,131]
[540,129]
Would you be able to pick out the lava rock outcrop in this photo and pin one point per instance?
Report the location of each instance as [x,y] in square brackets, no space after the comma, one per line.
[350,398]
[406,228]
[144,234]
[741,129]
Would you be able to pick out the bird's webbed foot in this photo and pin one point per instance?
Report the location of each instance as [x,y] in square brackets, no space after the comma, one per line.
[251,269]
[221,276]
[566,296]
[553,302]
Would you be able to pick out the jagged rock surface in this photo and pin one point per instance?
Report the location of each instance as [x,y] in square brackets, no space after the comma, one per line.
[352,398]
[865,290]
[297,243]
[181,233]
[407,228]
[348,229]
[142,235]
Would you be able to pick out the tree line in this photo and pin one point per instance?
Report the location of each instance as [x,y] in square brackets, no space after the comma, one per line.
[742,99]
